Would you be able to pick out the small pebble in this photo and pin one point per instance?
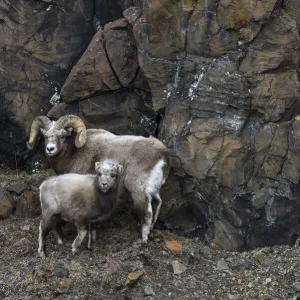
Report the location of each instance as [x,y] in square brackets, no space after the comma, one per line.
[296,286]
[268,280]
[178,267]
[26,227]
[222,265]
[148,291]
[60,271]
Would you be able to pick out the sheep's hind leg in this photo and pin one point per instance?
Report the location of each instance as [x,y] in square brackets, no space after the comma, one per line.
[147,219]
[82,232]
[142,203]
[57,231]
[44,229]
[159,202]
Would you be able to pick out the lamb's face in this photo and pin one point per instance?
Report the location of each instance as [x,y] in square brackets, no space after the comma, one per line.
[56,141]
[108,173]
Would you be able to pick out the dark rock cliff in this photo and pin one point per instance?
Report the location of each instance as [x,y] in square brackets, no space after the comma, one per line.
[216,80]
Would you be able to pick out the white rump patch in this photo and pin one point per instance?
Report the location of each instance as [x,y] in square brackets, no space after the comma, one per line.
[156,178]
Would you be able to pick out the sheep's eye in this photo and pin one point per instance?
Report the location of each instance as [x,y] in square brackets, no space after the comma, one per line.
[99,174]
[112,176]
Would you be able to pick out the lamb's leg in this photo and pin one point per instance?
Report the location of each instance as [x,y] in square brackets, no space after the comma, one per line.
[44,229]
[159,202]
[91,235]
[82,232]
[94,235]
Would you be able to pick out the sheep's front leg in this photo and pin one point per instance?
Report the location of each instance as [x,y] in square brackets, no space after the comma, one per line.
[82,232]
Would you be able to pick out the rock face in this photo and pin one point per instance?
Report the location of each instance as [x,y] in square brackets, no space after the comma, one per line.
[38,42]
[113,90]
[109,63]
[225,73]
[216,80]
[121,112]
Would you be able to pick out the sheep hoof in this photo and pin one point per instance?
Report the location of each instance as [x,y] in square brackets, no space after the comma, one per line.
[60,242]
[145,238]
[42,254]
[74,250]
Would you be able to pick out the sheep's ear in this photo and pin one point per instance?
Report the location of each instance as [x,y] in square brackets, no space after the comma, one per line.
[120,170]
[97,165]
[43,131]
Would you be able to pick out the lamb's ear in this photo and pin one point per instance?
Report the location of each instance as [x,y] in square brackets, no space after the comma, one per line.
[120,170]
[97,165]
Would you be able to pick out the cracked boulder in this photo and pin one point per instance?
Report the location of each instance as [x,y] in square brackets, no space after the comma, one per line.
[107,88]
[38,43]
[109,64]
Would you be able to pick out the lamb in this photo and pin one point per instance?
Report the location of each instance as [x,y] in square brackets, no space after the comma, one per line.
[82,199]
[71,148]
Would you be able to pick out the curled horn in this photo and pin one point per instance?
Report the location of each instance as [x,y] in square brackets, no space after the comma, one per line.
[77,124]
[38,123]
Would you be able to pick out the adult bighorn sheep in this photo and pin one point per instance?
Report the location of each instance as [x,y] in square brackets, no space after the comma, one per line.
[82,199]
[146,161]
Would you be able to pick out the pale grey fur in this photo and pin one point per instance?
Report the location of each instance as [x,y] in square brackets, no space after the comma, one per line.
[78,198]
